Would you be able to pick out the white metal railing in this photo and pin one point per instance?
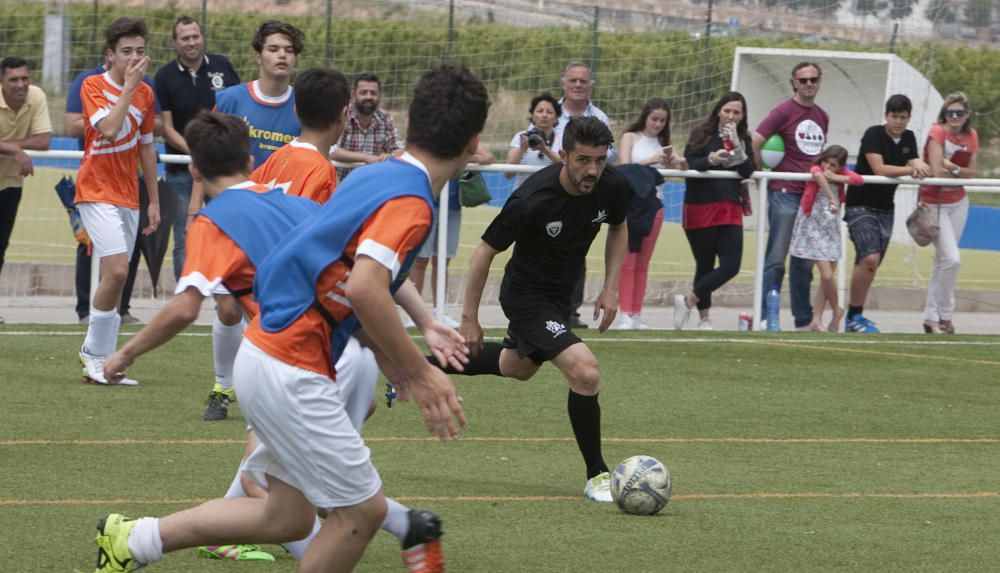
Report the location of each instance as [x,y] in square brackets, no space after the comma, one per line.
[760,177]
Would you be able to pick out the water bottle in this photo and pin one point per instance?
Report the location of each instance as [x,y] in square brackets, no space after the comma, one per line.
[773,309]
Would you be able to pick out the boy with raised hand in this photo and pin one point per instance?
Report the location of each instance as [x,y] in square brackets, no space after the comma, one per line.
[890,150]
[346,259]
[118,114]
[301,167]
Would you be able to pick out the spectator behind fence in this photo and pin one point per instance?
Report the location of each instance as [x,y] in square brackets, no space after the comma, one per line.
[645,142]
[537,145]
[816,235]
[73,124]
[889,150]
[370,135]
[24,124]
[577,85]
[802,126]
[713,208]
[951,151]
[184,87]
[118,114]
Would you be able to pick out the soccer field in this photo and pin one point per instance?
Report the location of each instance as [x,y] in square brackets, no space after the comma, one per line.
[788,452]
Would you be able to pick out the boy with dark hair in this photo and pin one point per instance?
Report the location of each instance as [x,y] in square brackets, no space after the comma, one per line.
[889,150]
[552,219]
[118,113]
[336,270]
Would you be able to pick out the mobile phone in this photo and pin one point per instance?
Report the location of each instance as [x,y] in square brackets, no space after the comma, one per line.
[668,150]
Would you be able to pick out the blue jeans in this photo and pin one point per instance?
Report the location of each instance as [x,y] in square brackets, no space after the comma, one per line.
[180,183]
[781,211]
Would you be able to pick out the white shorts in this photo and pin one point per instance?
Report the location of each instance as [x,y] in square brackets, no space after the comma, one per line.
[305,437]
[112,228]
[357,375]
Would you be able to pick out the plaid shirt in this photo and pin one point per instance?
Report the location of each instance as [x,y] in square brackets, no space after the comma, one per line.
[380,137]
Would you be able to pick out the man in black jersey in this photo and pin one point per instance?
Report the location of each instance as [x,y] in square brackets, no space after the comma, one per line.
[889,150]
[551,220]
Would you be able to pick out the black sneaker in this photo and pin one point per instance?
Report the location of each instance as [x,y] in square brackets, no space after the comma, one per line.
[218,407]
[422,545]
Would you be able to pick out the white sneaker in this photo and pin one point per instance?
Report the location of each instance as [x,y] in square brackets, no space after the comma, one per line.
[598,488]
[638,324]
[93,371]
[625,322]
[705,324]
[681,311]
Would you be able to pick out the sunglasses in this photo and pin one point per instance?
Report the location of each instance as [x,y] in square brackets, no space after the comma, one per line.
[804,81]
[956,112]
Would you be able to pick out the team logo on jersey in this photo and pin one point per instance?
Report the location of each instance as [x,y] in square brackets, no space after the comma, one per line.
[809,137]
[553,228]
[216,80]
[601,216]
[556,328]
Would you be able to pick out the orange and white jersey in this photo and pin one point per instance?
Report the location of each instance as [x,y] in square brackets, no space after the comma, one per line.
[109,169]
[212,258]
[301,170]
[388,236]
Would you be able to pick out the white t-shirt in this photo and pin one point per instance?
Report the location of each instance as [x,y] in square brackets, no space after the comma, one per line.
[533,156]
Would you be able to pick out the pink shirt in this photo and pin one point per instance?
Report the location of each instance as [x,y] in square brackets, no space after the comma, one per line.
[957,148]
[812,188]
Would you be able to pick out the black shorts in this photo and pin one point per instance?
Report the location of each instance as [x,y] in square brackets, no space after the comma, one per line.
[538,327]
[870,230]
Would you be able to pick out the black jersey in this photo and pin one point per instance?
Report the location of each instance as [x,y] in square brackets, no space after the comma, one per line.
[898,153]
[552,230]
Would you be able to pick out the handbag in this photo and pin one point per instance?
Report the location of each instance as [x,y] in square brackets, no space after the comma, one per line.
[922,224]
[473,190]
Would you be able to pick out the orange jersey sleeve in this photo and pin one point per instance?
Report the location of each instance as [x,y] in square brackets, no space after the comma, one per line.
[301,170]
[211,260]
[388,236]
[109,169]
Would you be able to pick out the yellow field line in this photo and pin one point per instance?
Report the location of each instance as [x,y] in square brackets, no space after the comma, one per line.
[537,498]
[873,352]
[515,439]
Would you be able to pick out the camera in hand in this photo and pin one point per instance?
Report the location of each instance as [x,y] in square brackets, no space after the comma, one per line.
[535,137]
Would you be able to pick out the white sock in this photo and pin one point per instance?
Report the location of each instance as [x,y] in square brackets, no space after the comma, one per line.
[236,488]
[144,541]
[102,333]
[397,519]
[225,344]
[298,548]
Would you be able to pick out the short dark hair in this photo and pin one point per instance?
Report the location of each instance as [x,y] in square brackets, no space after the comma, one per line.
[800,65]
[12,63]
[545,96]
[219,144]
[898,103]
[321,94]
[125,27]
[586,131]
[449,108]
[271,27]
[367,77]
[184,21]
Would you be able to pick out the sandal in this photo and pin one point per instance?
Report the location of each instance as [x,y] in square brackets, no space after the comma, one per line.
[931,327]
[946,327]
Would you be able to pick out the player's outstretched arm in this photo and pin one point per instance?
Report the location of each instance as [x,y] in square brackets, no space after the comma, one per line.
[475,282]
[614,256]
[175,317]
[445,343]
[368,292]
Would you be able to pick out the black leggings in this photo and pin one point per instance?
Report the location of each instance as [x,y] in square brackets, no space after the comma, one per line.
[724,242]
[10,198]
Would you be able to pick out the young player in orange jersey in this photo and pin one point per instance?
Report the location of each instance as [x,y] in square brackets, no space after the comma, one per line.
[118,114]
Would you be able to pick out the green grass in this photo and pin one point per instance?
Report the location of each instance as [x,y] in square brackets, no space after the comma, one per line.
[42,234]
[788,452]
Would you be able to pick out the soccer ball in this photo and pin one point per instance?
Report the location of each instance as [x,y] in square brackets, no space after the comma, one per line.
[772,151]
[640,485]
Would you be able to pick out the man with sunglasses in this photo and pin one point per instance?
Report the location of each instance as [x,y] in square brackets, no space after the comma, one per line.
[802,125]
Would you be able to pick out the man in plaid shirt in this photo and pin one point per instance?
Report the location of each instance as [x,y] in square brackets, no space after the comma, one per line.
[370,135]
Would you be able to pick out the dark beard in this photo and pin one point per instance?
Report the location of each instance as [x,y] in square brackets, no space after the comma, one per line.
[367,107]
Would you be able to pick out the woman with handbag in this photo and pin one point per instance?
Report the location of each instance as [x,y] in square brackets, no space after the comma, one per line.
[951,150]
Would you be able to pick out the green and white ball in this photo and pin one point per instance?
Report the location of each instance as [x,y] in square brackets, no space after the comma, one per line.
[640,485]
[772,152]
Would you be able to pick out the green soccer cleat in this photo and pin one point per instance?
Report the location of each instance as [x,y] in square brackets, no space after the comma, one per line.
[113,554]
[235,552]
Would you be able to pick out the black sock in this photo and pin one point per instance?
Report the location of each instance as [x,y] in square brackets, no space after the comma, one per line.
[585,418]
[487,361]
[853,310]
